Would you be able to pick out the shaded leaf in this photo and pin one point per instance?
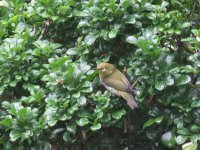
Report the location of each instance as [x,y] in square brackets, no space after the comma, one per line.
[112,33]
[183,79]
[14,135]
[95,127]
[181,139]
[72,51]
[148,123]
[159,85]
[118,114]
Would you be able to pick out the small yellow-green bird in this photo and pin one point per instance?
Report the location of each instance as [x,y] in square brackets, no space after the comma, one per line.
[116,82]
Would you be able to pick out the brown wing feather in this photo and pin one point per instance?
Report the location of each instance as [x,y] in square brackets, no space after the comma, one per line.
[129,98]
[121,84]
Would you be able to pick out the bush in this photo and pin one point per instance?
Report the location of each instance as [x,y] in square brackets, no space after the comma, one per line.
[51,98]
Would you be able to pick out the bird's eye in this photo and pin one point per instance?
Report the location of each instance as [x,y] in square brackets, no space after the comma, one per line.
[103,69]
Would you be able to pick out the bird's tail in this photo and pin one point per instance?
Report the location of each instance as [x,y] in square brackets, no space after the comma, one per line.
[129,98]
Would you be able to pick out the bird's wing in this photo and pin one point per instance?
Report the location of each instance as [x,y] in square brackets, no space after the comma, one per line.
[121,84]
[112,90]
[129,98]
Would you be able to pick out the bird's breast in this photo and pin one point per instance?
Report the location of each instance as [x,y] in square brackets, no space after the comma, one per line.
[111,89]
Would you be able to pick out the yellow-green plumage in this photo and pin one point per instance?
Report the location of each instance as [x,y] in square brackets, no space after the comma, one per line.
[116,82]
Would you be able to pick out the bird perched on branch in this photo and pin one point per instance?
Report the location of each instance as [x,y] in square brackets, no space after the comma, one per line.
[116,82]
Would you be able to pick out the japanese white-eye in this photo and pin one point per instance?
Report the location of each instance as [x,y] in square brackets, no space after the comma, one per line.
[116,82]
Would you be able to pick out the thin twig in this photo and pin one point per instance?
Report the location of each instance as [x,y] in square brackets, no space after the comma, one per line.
[124,70]
[192,10]
[135,82]
[84,135]
[46,24]
[150,99]
[86,138]
[125,126]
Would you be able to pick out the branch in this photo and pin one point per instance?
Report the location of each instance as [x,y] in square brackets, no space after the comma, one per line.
[46,24]
[135,82]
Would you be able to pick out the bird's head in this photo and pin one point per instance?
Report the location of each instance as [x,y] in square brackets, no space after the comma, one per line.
[105,69]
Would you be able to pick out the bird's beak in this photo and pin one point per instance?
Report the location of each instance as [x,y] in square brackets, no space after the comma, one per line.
[94,68]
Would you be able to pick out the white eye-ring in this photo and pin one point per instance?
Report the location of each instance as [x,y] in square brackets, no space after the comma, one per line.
[103,69]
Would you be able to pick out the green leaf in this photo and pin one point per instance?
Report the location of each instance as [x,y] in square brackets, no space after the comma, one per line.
[113,33]
[160,85]
[185,25]
[169,81]
[83,24]
[194,128]
[105,118]
[99,115]
[59,62]
[149,123]
[96,127]
[159,119]
[82,122]
[14,135]
[62,9]
[83,13]
[130,19]
[72,51]
[90,39]
[183,79]
[82,100]
[168,139]
[52,121]
[183,131]
[77,94]
[131,40]
[4,3]
[71,128]
[1,90]
[190,146]
[86,84]
[44,146]
[164,4]
[18,77]
[8,122]
[67,137]
[195,137]
[118,114]
[13,83]
[72,109]
[181,139]
[195,103]
[6,104]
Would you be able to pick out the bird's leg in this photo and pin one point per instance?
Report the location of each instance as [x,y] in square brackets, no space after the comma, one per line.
[124,71]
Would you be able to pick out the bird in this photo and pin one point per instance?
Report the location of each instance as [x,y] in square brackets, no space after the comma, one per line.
[114,81]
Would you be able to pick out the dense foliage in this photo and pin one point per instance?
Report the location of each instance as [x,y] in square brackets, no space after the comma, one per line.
[51,99]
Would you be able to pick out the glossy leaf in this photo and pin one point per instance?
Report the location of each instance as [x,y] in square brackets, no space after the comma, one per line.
[183,79]
[118,114]
[131,40]
[90,39]
[95,127]
[159,85]
[190,146]
[83,122]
